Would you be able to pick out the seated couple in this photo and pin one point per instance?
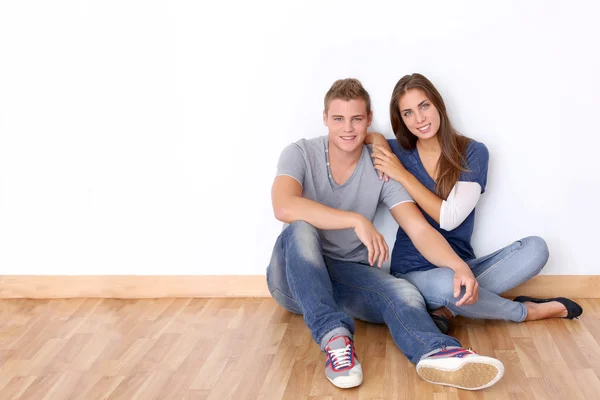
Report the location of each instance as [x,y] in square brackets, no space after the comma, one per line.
[325,262]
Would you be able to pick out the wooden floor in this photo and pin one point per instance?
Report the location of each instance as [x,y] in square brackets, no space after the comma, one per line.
[253,349]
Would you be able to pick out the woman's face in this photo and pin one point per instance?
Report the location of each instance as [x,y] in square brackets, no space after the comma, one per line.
[419,114]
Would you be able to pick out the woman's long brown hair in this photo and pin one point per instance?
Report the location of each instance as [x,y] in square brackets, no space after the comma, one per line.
[454,145]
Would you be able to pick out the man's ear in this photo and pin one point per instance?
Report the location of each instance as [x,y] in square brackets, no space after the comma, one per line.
[325,117]
[370,118]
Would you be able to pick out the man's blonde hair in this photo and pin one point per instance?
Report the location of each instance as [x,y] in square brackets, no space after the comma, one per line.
[347,89]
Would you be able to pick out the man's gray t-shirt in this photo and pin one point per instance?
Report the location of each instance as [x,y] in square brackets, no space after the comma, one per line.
[307,162]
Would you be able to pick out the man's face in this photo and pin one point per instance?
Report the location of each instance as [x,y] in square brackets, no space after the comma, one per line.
[348,122]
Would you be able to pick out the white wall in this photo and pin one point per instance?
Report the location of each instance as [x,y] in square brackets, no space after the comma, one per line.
[141,137]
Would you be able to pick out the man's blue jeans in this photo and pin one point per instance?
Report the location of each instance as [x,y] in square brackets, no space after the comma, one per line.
[330,293]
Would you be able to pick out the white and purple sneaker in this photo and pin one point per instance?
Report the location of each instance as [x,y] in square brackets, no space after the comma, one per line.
[460,368]
[342,367]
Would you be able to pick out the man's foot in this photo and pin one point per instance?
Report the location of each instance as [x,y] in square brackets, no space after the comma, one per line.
[460,368]
[342,367]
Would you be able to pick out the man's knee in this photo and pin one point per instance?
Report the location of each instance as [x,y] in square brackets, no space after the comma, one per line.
[286,301]
[304,235]
[302,228]
[407,294]
[304,238]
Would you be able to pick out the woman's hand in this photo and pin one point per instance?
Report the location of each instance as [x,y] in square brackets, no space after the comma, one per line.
[387,163]
[376,138]
[464,277]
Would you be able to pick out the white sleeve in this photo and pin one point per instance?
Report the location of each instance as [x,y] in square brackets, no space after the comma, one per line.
[461,201]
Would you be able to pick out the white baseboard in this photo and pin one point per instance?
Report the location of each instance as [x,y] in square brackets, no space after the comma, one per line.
[160,286]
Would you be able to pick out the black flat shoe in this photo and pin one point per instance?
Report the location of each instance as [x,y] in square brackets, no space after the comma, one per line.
[574,310]
[442,323]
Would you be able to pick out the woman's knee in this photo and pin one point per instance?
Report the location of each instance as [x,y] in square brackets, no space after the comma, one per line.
[436,286]
[536,253]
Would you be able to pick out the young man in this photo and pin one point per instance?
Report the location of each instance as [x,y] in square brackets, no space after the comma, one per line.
[324,264]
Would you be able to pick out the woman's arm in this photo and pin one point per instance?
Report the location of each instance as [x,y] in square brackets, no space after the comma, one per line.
[376,138]
[432,245]
[387,163]
[449,213]
[461,201]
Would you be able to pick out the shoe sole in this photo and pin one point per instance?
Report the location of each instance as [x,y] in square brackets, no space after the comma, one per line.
[347,383]
[469,376]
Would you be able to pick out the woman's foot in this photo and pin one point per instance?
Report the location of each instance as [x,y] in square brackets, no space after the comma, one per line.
[558,307]
[441,317]
[552,309]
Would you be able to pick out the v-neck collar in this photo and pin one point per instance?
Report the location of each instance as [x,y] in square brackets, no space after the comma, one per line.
[328,164]
[422,166]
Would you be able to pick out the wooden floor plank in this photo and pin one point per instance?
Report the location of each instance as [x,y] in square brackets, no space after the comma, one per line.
[250,348]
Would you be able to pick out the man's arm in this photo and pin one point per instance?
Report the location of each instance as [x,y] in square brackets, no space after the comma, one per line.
[290,206]
[432,245]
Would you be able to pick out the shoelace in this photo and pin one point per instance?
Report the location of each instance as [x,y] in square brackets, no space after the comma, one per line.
[341,357]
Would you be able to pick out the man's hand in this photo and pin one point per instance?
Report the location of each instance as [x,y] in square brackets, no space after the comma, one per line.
[464,277]
[378,248]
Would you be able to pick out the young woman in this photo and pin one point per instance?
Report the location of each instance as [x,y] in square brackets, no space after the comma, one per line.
[446,173]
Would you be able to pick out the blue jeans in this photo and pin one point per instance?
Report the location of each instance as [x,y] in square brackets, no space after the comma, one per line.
[330,293]
[496,273]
